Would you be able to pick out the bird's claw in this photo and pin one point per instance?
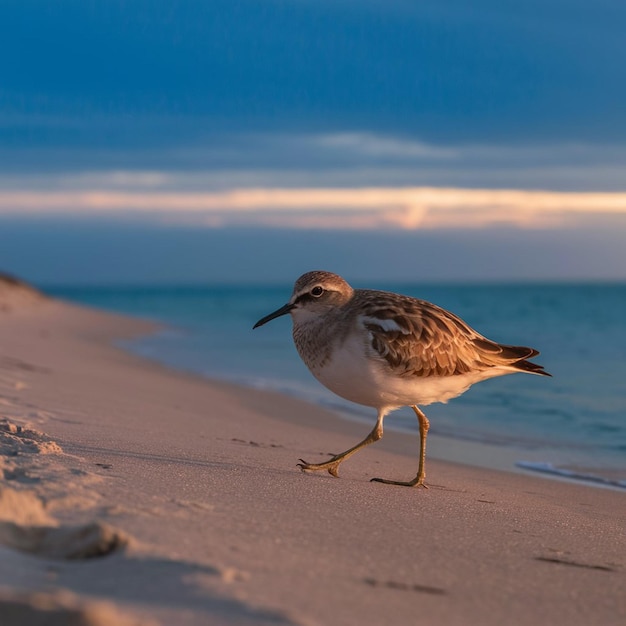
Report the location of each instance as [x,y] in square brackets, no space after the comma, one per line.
[416,482]
[330,466]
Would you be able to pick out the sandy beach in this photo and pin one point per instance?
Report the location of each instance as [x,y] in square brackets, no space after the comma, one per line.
[132,494]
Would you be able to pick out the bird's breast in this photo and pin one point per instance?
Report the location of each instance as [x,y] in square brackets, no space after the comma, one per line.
[342,365]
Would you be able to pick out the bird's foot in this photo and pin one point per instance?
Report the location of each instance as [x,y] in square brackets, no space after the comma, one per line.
[332,466]
[418,481]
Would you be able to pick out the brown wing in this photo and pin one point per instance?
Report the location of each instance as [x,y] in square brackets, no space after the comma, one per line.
[417,338]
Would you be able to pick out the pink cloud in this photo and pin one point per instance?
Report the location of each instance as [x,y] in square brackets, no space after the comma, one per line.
[358,208]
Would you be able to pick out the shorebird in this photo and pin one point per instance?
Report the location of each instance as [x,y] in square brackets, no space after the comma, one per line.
[386,351]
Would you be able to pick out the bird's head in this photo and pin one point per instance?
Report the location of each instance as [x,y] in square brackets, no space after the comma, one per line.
[314,294]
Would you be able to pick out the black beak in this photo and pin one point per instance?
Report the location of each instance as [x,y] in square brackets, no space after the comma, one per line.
[268,318]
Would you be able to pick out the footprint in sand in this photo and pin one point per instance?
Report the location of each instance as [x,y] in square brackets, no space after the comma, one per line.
[16,440]
[61,608]
[403,586]
[26,526]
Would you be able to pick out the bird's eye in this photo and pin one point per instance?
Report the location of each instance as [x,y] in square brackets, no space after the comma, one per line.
[317,291]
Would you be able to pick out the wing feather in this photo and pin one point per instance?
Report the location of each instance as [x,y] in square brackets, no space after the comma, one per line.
[417,338]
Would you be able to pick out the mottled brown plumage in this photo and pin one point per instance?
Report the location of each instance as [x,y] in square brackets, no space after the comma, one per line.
[387,350]
[430,341]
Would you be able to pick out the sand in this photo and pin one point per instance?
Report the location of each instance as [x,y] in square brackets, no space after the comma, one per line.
[132,494]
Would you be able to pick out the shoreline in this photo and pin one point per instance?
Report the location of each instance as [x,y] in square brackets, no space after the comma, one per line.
[528,458]
[191,486]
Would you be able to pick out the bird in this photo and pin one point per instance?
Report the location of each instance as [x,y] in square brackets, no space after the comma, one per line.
[386,350]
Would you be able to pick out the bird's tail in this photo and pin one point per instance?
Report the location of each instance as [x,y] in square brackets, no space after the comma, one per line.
[519,356]
[513,357]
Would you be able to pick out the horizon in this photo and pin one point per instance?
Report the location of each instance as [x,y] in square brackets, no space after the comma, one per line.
[358,283]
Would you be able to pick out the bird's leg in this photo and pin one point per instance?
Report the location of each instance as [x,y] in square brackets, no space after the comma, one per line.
[332,465]
[418,481]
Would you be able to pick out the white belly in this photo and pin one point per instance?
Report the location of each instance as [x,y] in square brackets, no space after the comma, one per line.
[352,375]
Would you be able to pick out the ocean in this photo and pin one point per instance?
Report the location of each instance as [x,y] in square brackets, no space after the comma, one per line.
[573,424]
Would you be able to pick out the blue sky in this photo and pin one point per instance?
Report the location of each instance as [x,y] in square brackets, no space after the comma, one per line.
[107,106]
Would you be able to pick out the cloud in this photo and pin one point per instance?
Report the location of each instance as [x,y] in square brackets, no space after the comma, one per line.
[371,145]
[404,208]
[345,158]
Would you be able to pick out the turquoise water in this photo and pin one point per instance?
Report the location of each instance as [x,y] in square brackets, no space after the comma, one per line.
[577,419]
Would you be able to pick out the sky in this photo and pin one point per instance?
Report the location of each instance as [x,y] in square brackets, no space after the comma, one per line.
[148,141]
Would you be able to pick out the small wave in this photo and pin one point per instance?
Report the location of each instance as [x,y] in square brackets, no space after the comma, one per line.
[548,468]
